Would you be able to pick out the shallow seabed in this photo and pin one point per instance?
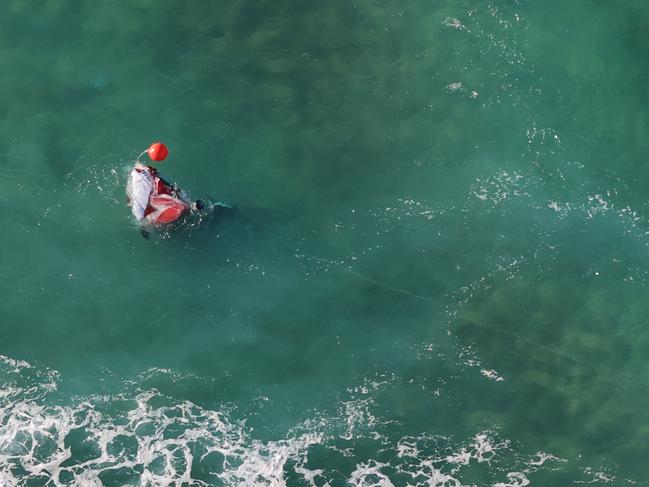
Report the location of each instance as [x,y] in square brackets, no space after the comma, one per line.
[437,275]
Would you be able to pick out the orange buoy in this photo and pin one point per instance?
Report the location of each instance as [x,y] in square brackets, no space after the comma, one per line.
[157,151]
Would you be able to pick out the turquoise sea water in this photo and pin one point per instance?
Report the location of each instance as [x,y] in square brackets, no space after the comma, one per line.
[437,275]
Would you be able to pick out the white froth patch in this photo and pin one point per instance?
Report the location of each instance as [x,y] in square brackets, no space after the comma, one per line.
[358,417]
[498,188]
[459,88]
[473,359]
[597,204]
[492,374]
[482,450]
[542,457]
[561,208]
[17,365]
[369,475]
[542,135]
[599,475]
[156,440]
[309,476]
[442,470]
[167,441]
[514,479]
[407,449]
[454,23]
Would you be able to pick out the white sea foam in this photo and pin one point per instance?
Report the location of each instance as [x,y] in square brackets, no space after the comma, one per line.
[498,188]
[542,458]
[150,439]
[167,442]
[514,479]
[492,374]
[454,23]
[369,474]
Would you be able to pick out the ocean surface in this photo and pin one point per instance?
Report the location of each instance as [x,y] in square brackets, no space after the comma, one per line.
[437,273]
